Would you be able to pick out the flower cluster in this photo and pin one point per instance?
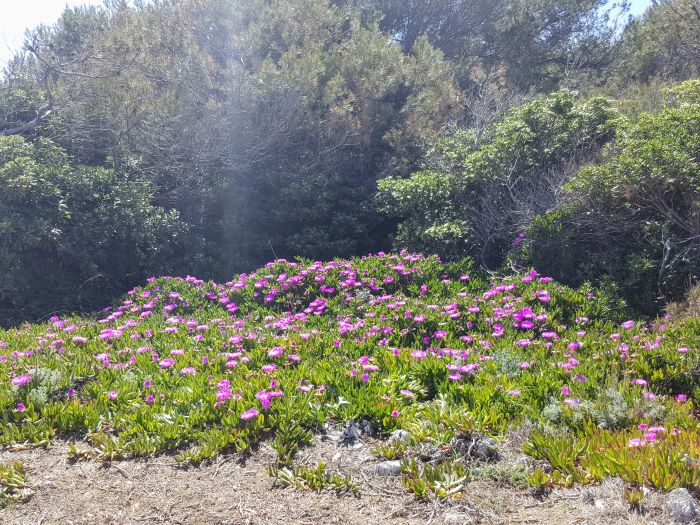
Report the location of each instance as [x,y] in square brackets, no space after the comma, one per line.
[201,366]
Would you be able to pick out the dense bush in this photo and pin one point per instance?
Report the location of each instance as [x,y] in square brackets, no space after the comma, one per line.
[634,219]
[72,235]
[476,196]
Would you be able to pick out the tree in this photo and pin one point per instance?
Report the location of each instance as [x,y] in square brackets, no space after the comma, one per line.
[530,43]
[664,42]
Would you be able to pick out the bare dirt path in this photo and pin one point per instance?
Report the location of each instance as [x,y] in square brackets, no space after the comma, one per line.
[237,490]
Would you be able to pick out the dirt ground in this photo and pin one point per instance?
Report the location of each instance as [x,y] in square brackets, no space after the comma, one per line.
[237,490]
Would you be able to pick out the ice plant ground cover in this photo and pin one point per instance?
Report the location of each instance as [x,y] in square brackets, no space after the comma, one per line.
[401,341]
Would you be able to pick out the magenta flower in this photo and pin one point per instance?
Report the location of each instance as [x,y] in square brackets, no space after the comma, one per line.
[20,407]
[167,363]
[275,352]
[112,394]
[21,380]
[264,398]
[249,414]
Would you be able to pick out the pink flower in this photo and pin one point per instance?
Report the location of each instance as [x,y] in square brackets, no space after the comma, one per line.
[264,398]
[21,380]
[20,407]
[275,352]
[636,442]
[112,394]
[249,414]
[167,363]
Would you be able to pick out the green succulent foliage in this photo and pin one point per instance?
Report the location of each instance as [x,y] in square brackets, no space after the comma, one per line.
[316,478]
[14,486]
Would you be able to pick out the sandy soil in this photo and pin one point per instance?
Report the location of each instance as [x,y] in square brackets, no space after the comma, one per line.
[234,489]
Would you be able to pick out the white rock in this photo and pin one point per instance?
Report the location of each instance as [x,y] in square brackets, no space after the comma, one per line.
[389,468]
[600,505]
[683,506]
[399,435]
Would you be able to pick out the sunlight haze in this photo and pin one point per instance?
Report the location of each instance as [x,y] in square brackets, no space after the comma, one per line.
[17,17]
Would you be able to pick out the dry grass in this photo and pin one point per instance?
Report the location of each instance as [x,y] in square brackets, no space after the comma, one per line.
[689,308]
[237,490]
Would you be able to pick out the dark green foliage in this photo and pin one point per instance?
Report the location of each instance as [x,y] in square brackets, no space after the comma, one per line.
[476,198]
[267,125]
[72,235]
[633,219]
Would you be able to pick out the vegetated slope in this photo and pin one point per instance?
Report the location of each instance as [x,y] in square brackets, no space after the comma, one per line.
[402,341]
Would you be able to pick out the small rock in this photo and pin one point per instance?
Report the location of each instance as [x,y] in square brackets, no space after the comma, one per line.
[399,435]
[366,427]
[683,506]
[389,468]
[485,449]
[350,433]
[600,505]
